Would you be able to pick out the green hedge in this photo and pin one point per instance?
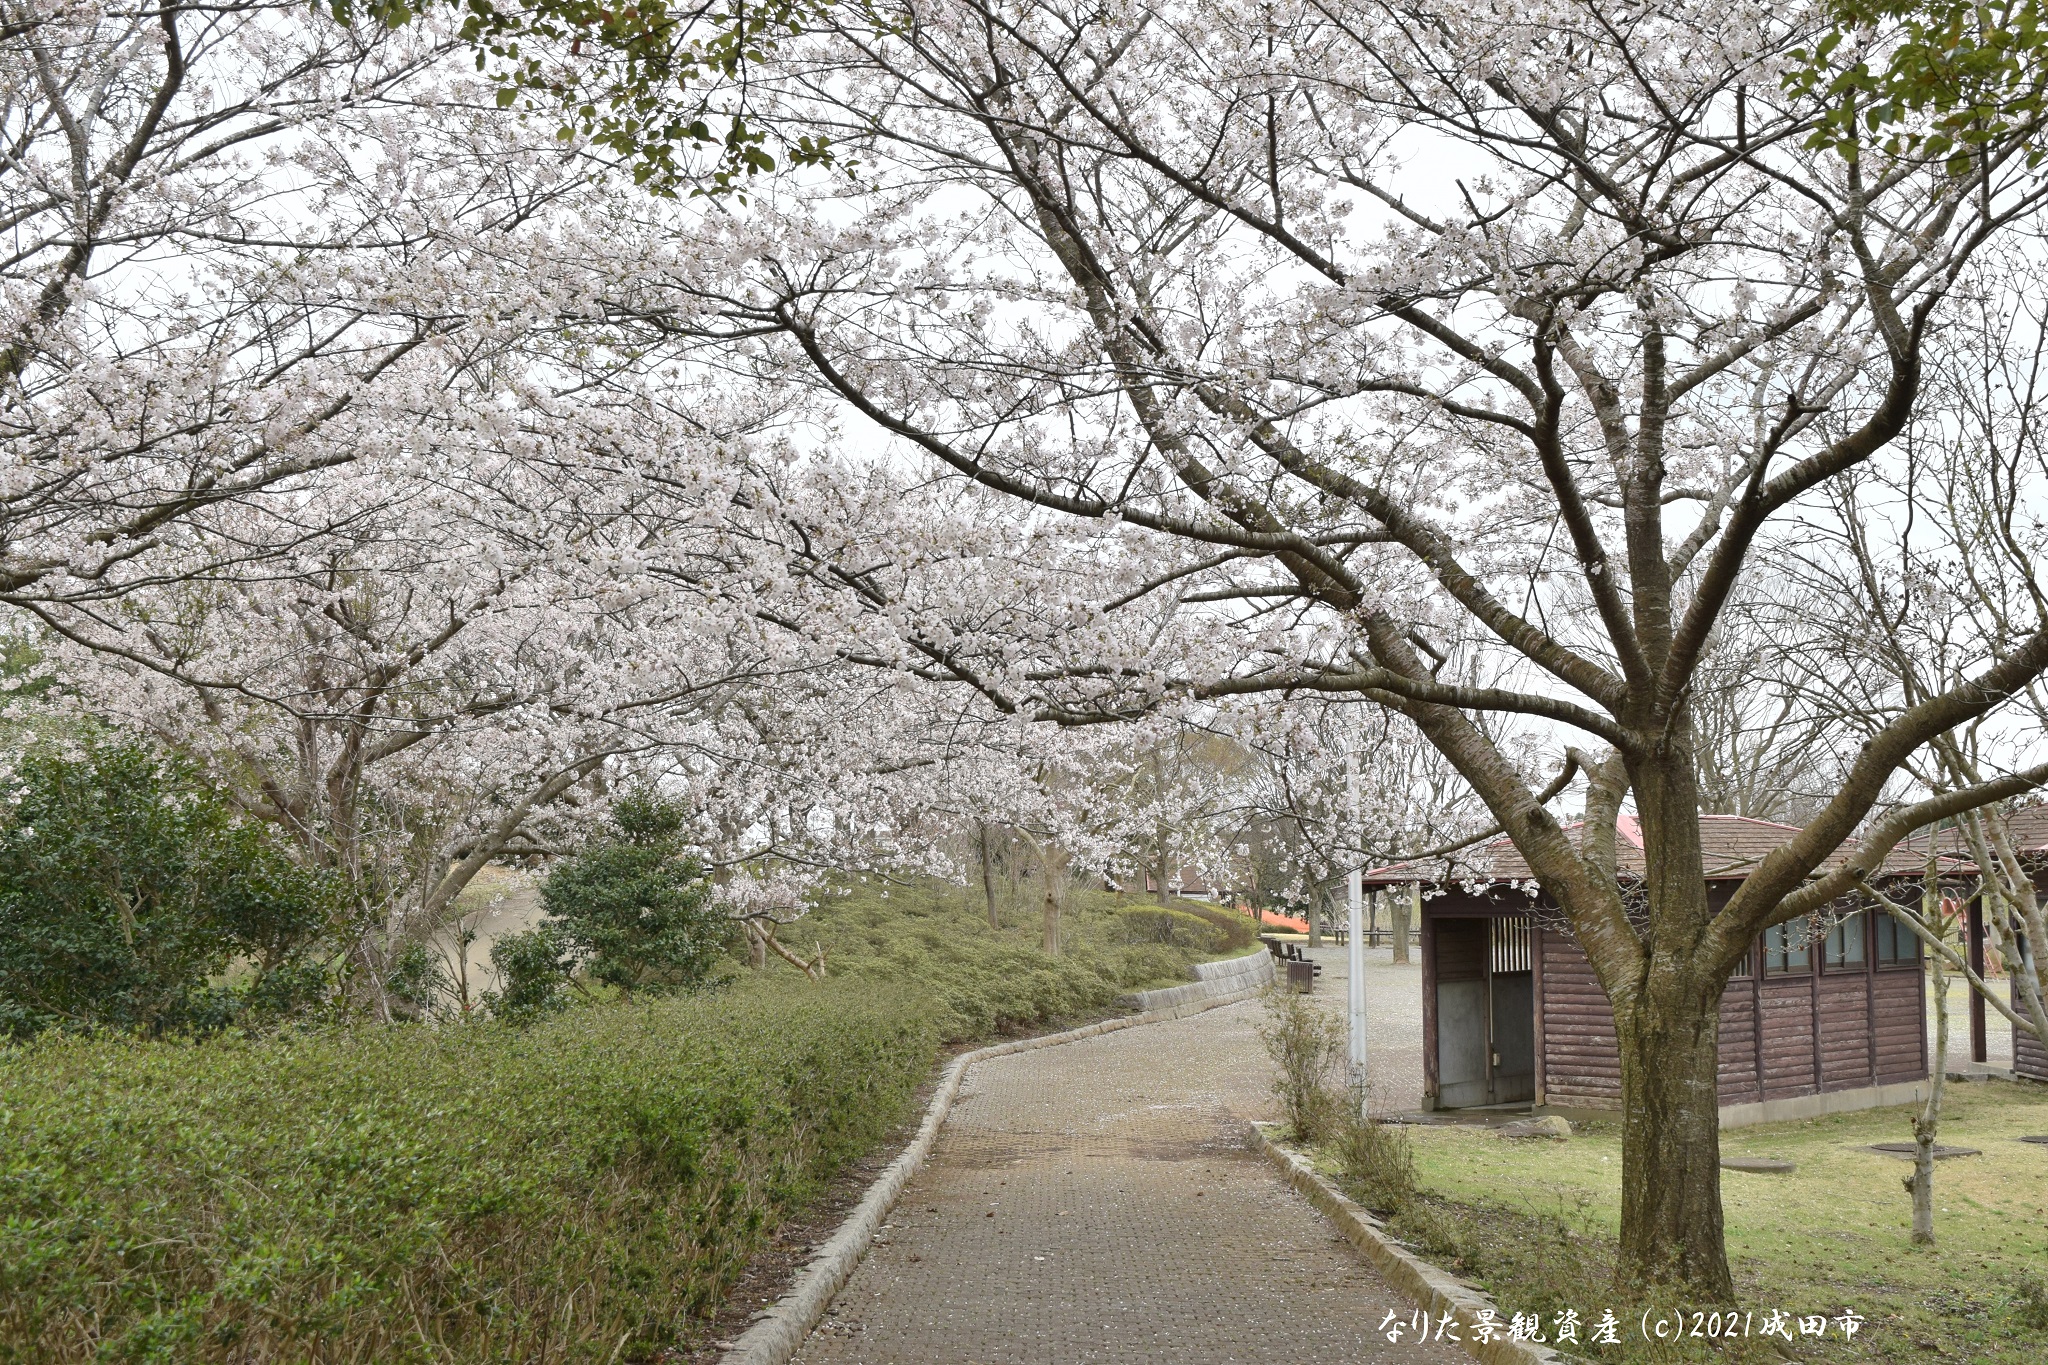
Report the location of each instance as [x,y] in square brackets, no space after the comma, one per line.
[574,1192]
[585,1190]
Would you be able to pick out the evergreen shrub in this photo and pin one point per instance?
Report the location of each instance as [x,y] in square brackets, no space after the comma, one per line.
[579,1190]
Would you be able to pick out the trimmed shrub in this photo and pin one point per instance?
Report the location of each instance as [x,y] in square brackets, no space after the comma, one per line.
[1235,932]
[634,910]
[576,1191]
[127,884]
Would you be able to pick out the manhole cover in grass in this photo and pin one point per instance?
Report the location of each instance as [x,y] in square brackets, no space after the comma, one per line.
[1908,1151]
[2039,1139]
[1762,1165]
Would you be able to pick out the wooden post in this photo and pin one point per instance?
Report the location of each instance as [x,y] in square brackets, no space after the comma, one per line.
[1980,1046]
[1406,916]
[1431,1085]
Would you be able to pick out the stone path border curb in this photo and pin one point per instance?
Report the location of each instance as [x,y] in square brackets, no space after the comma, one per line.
[781,1332]
[1429,1287]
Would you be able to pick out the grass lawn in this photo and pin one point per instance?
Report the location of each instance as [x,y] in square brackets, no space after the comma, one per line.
[1830,1236]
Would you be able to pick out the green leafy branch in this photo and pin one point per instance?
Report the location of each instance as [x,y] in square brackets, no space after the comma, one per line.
[1953,77]
[638,78]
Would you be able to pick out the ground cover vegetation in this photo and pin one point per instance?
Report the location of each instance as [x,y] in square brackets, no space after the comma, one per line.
[576,1182]
[579,1190]
[930,941]
[1536,1224]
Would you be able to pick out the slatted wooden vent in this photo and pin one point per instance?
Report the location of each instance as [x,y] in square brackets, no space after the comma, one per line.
[1509,943]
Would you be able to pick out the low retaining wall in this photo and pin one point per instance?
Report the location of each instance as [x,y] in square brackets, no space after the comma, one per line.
[782,1329]
[1235,978]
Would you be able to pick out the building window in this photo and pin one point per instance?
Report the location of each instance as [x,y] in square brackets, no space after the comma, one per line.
[1787,950]
[1896,945]
[1844,949]
[1745,967]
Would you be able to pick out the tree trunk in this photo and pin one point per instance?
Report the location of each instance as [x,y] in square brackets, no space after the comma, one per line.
[1667,1018]
[1053,864]
[1927,1123]
[1315,922]
[1164,896]
[988,877]
[757,948]
[1671,1139]
[1405,913]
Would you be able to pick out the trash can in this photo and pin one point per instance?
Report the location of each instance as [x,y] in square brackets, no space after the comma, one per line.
[1301,976]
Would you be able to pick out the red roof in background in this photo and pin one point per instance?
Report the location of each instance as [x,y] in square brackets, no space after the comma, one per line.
[1731,848]
[2028,829]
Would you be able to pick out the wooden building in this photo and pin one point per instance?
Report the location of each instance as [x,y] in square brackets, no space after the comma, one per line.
[2029,1058]
[2029,831]
[1823,1016]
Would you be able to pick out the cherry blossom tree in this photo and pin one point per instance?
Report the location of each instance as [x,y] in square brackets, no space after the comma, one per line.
[455,649]
[309,479]
[1347,785]
[228,243]
[1913,573]
[1397,338]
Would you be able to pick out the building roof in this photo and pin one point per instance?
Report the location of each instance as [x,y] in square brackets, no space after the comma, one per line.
[2027,827]
[1731,847]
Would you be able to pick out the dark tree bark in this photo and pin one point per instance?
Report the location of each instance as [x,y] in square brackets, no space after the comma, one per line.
[1671,1228]
[988,875]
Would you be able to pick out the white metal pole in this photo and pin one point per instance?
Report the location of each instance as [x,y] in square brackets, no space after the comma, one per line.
[1356,994]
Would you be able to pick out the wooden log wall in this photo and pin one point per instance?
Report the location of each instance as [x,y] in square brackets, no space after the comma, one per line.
[2029,1058]
[1580,1062]
[1781,1036]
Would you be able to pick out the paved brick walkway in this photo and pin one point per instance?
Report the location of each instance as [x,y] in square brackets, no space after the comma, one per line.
[1095,1202]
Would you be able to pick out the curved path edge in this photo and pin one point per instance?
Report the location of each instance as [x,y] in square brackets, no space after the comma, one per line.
[778,1335]
[1432,1289]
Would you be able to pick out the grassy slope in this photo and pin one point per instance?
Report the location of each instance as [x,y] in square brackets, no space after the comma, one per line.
[934,941]
[1832,1234]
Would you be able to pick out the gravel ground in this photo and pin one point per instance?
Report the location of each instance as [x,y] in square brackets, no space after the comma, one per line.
[1393,1021]
[1997,1029]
